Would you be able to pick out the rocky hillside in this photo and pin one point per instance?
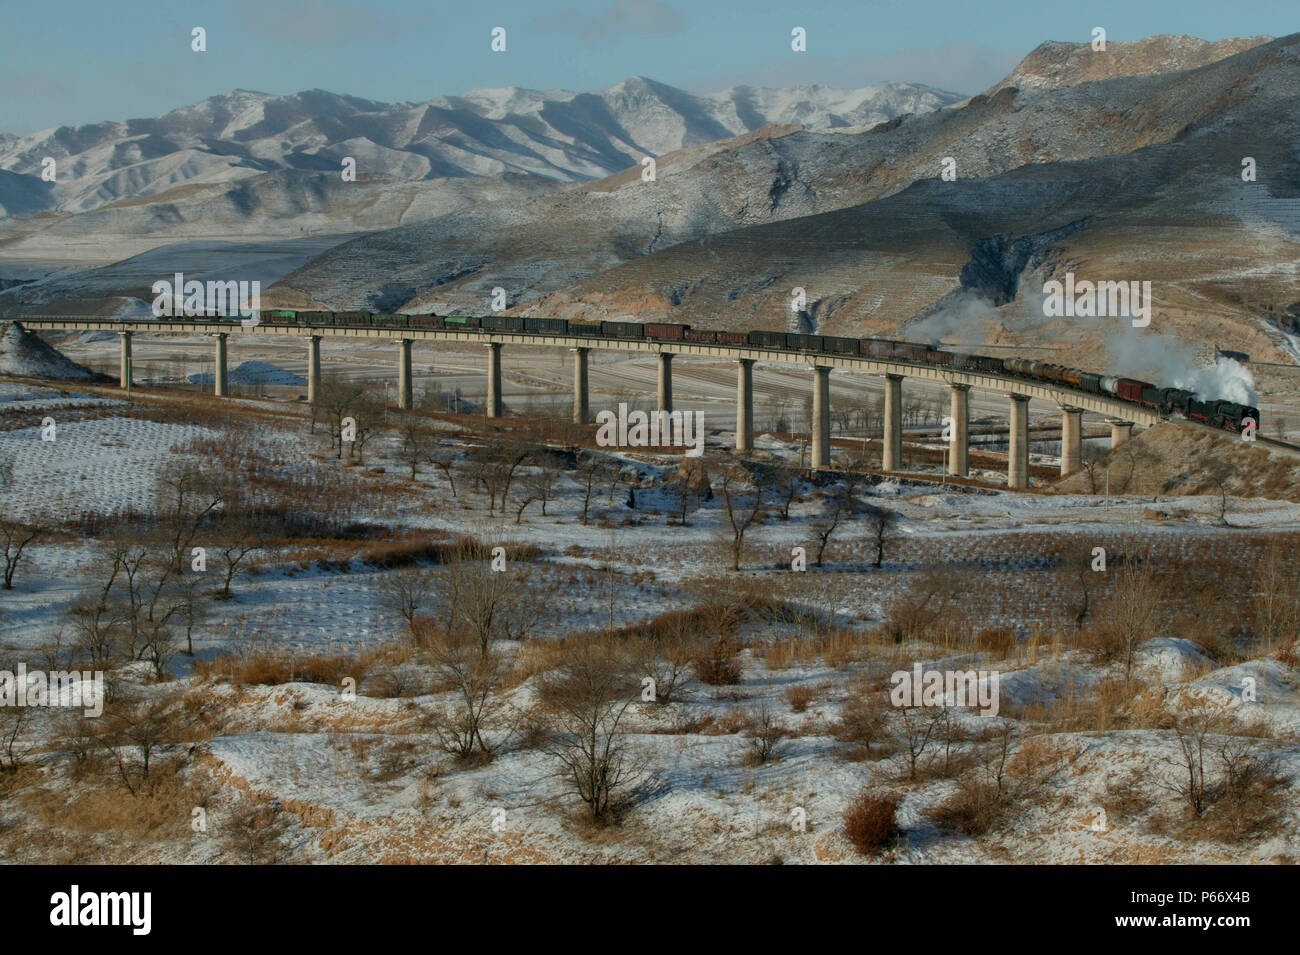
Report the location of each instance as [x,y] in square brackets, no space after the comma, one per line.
[26,355]
[1055,64]
[1127,178]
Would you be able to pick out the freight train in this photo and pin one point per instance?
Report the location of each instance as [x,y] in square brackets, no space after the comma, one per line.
[1166,401]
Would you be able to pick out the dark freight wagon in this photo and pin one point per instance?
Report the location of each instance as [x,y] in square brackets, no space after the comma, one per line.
[622,329]
[841,346]
[546,326]
[664,330]
[767,339]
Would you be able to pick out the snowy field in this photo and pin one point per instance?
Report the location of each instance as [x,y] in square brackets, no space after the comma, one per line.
[337,778]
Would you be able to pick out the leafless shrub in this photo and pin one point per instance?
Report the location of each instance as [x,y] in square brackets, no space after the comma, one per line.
[764,736]
[717,664]
[255,829]
[406,593]
[863,721]
[584,704]
[869,820]
[474,674]
[1229,788]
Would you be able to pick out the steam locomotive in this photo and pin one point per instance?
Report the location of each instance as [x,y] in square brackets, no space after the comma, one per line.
[1217,413]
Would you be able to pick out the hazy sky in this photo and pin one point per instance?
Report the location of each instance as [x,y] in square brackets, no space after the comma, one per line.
[81,61]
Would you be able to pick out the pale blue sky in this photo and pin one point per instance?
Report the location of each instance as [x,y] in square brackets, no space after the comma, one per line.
[83,61]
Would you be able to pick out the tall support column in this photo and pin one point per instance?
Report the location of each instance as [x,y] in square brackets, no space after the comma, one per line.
[313,368]
[222,382]
[892,456]
[959,437]
[1071,440]
[405,398]
[821,413]
[1120,432]
[665,382]
[124,377]
[494,380]
[1018,448]
[744,404]
[581,399]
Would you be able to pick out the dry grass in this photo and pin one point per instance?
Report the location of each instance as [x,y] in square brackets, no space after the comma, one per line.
[869,820]
[273,669]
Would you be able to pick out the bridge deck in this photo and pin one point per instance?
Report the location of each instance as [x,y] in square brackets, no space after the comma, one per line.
[1008,384]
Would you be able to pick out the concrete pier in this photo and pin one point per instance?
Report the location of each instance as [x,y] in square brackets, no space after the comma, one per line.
[494,405]
[744,404]
[405,396]
[959,437]
[1071,440]
[313,368]
[821,418]
[1018,449]
[124,359]
[1120,432]
[665,392]
[220,378]
[581,396]
[892,454]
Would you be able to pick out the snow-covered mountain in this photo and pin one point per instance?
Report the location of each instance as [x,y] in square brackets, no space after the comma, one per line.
[554,134]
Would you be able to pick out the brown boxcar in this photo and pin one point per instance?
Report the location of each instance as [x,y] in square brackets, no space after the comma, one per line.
[937,356]
[665,330]
[1130,389]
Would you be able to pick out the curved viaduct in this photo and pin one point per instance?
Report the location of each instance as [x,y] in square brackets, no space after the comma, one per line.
[1072,402]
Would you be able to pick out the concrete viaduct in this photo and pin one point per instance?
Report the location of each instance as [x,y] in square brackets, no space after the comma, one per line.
[1122,415]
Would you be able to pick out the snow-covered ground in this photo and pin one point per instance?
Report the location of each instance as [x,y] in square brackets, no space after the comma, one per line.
[363,779]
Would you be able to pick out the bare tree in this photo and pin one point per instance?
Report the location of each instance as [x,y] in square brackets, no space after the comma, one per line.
[444,459]
[593,470]
[1092,457]
[785,484]
[406,592]
[667,658]
[585,703]
[764,736]
[144,725]
[416,443]
[1277,608]
[1131,611]
[840,504]
[369,412]
[542,482]
[256,828]
[12,721]
[240,543]
[98,628]
[489,604]
[1219,473]
[474,675]
[880,528]
[744,508]
[16,537]
[335,400]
